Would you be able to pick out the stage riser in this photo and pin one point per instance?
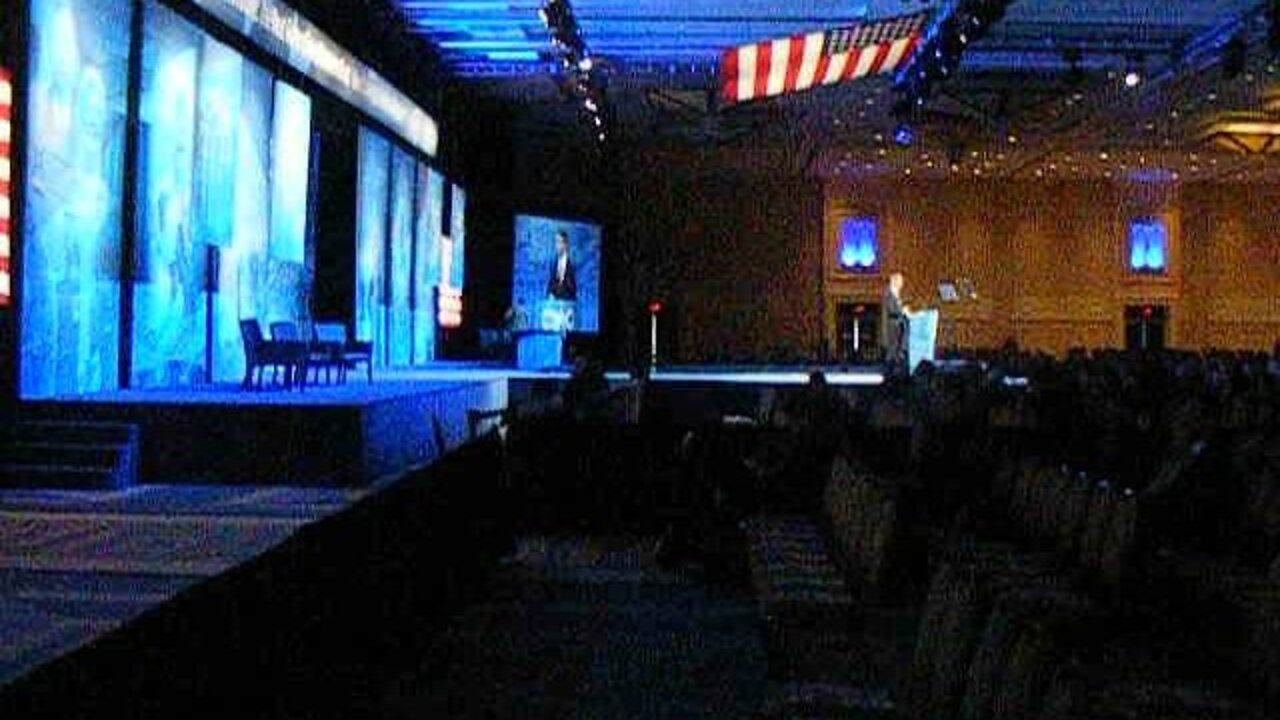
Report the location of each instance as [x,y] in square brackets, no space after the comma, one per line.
[348,445]
[73,454]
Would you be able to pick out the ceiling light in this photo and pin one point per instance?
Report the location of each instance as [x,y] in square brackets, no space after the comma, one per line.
[1247,133]
[1133,72]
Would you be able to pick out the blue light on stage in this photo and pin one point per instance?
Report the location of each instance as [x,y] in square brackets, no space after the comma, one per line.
[74,160]
[399,340]
[1148,246]
[859,245]
[536,268]
[371,238]
[426,261]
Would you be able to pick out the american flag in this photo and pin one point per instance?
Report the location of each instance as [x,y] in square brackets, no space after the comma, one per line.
[6,172]
[800,62]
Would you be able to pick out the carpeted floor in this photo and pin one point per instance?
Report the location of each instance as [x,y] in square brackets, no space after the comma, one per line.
[75,565]
[591,628]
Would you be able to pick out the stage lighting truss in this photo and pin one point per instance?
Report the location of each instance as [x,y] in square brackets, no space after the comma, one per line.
[955,27]
[585,79]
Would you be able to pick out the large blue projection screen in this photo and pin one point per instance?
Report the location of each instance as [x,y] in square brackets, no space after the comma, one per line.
[371,237]
[426,262]
[400,340]
[551,293]
[76,126]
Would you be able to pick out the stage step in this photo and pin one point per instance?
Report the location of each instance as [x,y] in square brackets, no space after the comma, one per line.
[69,455]
[72,431]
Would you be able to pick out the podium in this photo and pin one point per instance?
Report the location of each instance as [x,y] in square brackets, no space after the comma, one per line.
[922,335]
[542,346]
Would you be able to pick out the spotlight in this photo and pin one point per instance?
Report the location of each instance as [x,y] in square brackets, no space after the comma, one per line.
[1133,73]
[585,64]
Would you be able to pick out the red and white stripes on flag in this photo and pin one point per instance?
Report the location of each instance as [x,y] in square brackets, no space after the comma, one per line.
[826,57]
[6,173]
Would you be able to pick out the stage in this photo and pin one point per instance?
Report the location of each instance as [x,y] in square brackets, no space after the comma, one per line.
[357,433]
[348,435]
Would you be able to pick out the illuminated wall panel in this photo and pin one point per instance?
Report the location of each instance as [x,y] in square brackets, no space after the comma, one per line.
[400,242]
[1148,245]
[371,241]
[458,233]
[74,162]
[426,261]
[244,269]
[290,160]
[859,245]
[222,176]
[169,291]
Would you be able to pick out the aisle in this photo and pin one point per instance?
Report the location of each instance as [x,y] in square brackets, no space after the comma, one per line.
[591,628]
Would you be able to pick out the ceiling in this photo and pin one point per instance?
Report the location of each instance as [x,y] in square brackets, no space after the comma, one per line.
[1020,106]
[488,37]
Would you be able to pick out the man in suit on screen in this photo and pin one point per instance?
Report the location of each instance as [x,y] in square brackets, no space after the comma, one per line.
[893,324]
[562,285]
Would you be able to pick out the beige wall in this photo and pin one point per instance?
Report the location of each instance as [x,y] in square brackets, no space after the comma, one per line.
[1049,259]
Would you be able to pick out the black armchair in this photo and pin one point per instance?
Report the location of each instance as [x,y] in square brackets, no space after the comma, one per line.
[261,353]
[320,355]
[351,352]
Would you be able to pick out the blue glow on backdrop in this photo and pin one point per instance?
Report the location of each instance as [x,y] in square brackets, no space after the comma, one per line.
[535,262]
[169,294]
[76,126]
[243,268]
[458,233]
[400,340]
[371,240]
[426,265]
[290,160]
[218,172]
[859,245]
[1148,245]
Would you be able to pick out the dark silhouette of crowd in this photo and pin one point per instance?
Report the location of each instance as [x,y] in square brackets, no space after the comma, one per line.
[1096,535]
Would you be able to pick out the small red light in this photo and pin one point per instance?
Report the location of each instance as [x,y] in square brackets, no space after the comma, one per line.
[1147,311]
[859,309]
[655,306]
